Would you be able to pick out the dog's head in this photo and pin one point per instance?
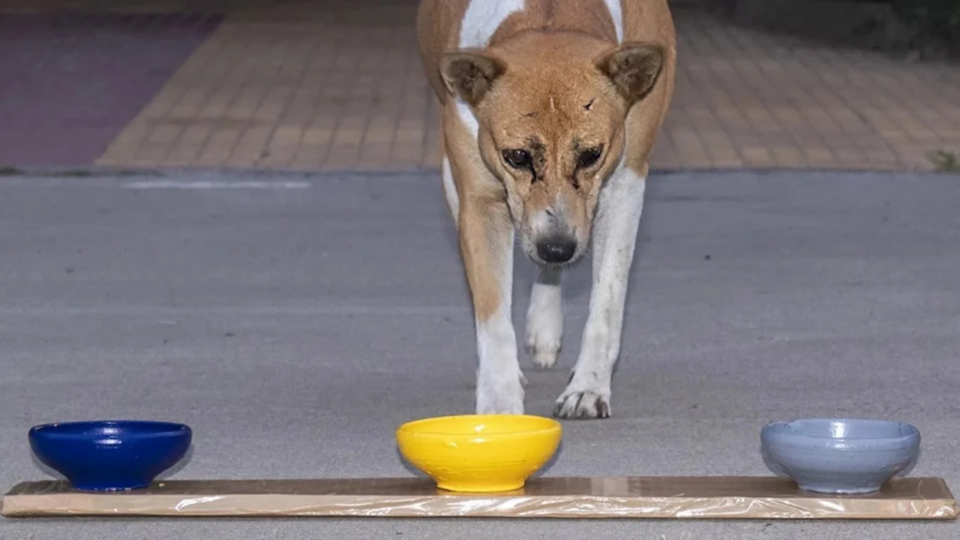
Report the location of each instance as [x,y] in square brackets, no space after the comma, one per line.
[551,110]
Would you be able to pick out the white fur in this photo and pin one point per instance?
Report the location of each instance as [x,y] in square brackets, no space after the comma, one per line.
[468,118]
[614,236]
[499,378]
[450,190]
[449,185]
[616,12]
[545,318]
[482,19]
[541,224]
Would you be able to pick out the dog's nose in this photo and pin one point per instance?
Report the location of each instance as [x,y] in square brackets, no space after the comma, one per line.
[556,250]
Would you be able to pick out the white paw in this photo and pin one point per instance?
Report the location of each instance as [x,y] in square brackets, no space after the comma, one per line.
[500,395]
[578,401]
[544,324]
[543,346]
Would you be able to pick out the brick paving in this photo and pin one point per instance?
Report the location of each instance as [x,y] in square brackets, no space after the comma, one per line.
[70,82]
[335,84]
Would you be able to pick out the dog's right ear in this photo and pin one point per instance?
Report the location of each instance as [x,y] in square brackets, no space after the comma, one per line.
[633,68]
[469,74]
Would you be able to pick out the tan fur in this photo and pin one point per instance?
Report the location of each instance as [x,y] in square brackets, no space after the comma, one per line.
[551,93]
[483,221]
[649,21]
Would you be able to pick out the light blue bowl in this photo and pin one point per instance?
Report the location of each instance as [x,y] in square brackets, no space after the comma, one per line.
[840,455]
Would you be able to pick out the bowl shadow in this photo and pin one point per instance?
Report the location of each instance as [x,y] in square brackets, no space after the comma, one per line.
[49,471]
[178,466]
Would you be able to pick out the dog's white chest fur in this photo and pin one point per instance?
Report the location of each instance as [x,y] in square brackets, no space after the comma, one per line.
[483,17]
[616,12]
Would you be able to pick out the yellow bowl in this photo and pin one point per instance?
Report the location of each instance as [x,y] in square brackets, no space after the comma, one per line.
[479,453]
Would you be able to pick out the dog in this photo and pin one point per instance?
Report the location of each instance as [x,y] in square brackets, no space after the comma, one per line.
[549,112]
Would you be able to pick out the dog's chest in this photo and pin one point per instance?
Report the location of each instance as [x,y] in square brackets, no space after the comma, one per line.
[483,18]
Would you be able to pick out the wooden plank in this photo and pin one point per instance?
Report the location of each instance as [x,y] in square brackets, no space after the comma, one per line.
[604,497]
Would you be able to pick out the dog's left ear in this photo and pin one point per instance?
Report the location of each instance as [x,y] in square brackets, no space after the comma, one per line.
[633,68]
[470,74]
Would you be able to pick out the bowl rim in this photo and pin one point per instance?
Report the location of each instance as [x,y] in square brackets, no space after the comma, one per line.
[551,425]
[149,429]
[779,433]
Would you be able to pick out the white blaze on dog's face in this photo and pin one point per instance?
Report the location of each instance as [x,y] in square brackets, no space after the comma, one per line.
[551,123]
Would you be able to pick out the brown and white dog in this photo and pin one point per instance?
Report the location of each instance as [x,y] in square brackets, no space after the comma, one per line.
[550,109]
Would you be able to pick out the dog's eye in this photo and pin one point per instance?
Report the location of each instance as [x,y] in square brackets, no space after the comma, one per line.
[589,157]
[518,159]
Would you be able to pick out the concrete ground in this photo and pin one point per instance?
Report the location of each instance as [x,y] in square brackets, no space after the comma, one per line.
[295,321]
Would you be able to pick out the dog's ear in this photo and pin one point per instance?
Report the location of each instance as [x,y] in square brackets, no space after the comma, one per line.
[633,68]
[469,74]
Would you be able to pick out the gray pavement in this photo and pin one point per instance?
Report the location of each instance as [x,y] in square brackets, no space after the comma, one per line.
[294,328]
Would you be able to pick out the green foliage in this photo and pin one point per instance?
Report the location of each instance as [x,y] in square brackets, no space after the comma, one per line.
[944,161]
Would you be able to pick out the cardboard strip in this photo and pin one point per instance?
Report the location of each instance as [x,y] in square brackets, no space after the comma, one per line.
[614,497]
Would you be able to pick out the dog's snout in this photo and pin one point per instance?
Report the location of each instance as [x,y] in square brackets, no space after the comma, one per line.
[556,250]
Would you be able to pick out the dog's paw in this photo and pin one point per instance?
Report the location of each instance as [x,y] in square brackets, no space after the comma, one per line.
[544,353]
[501,395]
[545,320]
[544,335]
[576,402]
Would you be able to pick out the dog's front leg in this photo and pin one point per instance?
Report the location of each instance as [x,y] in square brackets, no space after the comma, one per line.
[486,243]
[545,318]
[614,238]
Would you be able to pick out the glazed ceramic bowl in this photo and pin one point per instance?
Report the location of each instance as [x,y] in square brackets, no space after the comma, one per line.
[840,455]
[479,453]
[110,455]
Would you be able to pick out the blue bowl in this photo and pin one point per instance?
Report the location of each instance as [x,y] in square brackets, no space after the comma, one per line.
[110,455]
[840,455]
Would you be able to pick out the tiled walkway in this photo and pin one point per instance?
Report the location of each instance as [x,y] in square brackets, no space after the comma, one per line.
[337,84]
[71,83]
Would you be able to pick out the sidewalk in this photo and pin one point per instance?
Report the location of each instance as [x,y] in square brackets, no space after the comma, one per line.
[332,85]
